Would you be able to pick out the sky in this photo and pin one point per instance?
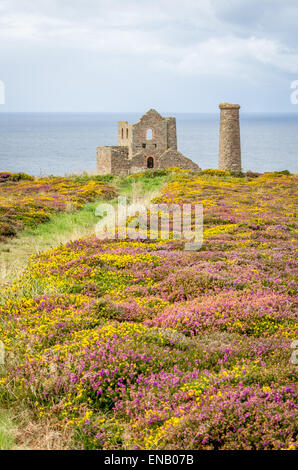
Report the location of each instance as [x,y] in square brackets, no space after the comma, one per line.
[132,55]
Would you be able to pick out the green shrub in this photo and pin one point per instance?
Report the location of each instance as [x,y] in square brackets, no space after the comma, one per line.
[155,173]
[21,176]
[284,172]
[212,171]
[104,178]
[252,174]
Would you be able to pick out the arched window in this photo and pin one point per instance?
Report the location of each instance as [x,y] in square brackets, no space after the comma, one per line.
[149,134]
[122,133]
[127,133]
[150,162]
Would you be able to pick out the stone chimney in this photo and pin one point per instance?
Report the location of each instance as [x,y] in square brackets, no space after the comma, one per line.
[229,138]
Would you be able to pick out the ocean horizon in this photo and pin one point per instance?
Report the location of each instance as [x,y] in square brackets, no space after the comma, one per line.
[62,143]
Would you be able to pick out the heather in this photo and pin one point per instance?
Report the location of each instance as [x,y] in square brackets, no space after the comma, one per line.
[26,201]
[143,345]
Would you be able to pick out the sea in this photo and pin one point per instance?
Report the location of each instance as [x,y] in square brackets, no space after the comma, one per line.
[43,144]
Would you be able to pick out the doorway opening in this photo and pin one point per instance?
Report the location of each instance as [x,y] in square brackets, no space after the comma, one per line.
[150,162]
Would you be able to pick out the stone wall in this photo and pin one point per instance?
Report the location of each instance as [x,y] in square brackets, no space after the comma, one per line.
[104,160]
[125,135]
[120,163]
[112,159]
[159,141]
[172,133]
[173,158]
[229,139]
[138,163]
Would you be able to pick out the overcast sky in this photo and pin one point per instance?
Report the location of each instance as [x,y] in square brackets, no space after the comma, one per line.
[132,55]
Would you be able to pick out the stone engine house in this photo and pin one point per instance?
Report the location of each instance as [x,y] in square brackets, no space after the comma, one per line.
[149,143]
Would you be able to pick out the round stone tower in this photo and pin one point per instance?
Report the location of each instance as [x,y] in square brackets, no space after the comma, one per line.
[229,138]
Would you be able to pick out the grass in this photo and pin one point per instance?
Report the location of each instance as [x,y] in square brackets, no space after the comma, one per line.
[144,183]
[7,431]
[22,432]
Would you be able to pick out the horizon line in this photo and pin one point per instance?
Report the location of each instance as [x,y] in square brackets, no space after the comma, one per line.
[139,112]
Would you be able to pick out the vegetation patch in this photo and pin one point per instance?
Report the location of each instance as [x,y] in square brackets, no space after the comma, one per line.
[135,344]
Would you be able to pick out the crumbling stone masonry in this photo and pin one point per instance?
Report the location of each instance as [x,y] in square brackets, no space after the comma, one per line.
[149,143]
[229,138]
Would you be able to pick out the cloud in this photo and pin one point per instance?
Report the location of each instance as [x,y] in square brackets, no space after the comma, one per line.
[233,40]
[193,33]
[174,37]
[232,56]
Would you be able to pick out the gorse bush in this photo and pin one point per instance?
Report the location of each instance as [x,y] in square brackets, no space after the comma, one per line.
[6,176]
[21,176]
[211,171]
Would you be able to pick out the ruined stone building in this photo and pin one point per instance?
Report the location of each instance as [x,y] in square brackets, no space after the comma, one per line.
[149,143]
